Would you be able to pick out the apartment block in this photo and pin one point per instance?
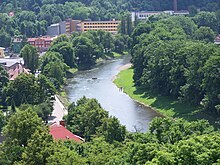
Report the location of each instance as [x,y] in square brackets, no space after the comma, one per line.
[110,26]
[56,29]
[41,43]
[73,26]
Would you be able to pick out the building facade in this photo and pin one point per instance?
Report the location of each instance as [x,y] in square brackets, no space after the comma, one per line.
[17,45]
[110,26]
[73,26]
[2,52]
[41,43]
[143,15]
[57,29]
[14,67]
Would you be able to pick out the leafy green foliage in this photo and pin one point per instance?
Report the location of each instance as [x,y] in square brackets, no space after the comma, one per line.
[112,130]
[204,34]
[167,62]
[3,82]
[21,126]
[30,90]
[31,57]
[85,117]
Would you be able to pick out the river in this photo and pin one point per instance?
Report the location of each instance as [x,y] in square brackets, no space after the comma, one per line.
[133,115]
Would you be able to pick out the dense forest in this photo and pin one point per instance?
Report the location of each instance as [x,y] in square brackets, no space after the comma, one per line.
[176,57]
[33,16]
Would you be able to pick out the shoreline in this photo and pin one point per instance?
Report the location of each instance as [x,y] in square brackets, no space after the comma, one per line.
[163,105]
[128,66]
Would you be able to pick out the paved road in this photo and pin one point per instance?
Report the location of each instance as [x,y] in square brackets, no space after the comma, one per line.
[58,112]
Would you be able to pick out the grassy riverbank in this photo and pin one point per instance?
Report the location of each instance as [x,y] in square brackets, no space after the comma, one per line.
[164,105]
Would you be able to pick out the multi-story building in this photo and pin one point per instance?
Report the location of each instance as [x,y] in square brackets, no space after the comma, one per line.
[73,26]
[142,15]
[69,26]
[110,26]
[41,43]
[56,29]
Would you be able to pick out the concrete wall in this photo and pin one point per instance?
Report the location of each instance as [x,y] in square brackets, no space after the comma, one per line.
[62,27]
[53,30]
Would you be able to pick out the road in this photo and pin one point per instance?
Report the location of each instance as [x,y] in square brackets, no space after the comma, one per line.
[58,112]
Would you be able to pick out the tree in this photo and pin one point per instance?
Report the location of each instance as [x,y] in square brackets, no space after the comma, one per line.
[112,130]
[192,10]
[31,57]
[40,146]
[3,81]
[55,71]
[26,89]
[207,19]
[85,51]
[5,38]
[2,120]
[211,84]
[85,118]
[65,156]
[21,126]
[205,34]
[68,55]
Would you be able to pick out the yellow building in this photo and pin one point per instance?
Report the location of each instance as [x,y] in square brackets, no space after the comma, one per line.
[73,26]
[2,55]
[110,26]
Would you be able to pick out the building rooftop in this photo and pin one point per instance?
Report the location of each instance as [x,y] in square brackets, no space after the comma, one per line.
[11,61]
[17,40]
[59,132]
[46,38]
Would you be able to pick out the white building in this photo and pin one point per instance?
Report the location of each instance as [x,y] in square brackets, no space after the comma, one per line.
[143,15]
[2,52]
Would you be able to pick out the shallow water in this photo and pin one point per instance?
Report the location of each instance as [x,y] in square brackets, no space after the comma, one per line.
[133,115]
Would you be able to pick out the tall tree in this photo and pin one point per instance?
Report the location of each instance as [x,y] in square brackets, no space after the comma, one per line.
[31,57]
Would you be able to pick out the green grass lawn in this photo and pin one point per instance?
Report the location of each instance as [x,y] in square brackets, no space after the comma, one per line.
[116,55]
[73,70]
[164,105]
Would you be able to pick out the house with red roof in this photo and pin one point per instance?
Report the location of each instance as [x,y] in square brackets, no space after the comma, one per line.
[59,132]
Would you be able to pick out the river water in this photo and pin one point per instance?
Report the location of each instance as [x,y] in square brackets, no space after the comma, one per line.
[133,115]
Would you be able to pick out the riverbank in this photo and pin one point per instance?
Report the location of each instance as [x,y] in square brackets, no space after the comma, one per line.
[166,106]
[62,95]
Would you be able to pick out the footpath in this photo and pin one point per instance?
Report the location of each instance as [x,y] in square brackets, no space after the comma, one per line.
[58,111]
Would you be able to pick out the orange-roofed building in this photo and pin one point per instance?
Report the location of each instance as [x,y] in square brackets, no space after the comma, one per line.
[59,132]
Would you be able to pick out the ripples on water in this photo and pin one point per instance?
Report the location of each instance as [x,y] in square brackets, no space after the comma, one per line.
[130,113]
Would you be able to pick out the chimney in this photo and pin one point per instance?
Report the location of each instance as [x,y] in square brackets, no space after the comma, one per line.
[175,5]
[62,122]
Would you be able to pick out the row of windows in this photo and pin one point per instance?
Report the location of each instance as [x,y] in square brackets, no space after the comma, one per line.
[101,23]
[110,30]
[42,42]
[101,27]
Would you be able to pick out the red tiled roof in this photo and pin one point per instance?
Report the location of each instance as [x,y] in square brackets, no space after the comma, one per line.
[59,132]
